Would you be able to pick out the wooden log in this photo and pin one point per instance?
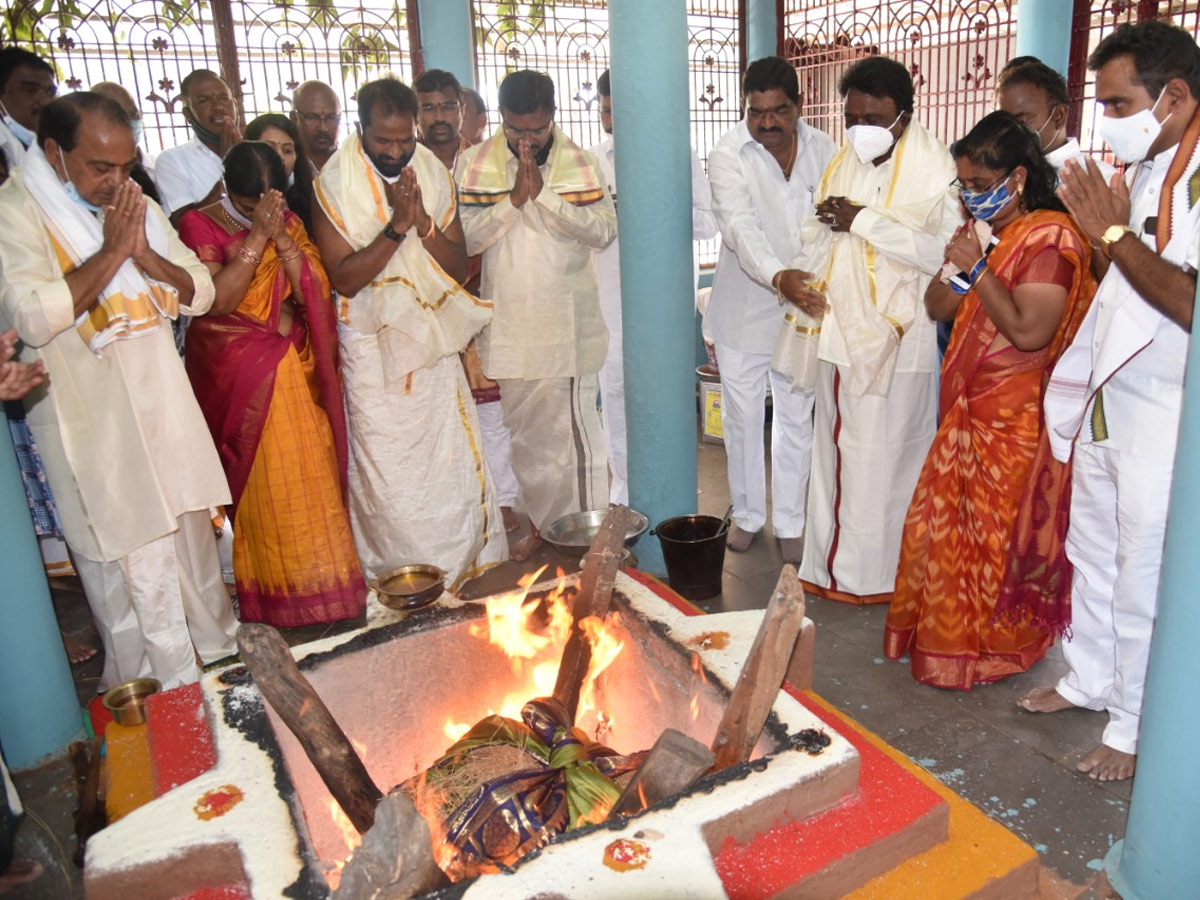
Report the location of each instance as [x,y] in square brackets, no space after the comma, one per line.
[395,860]
[762,674]
[270,661]
[672,765]
[89,814]
[594,599]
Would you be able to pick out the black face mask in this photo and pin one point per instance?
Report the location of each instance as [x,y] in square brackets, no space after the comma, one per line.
[543,154]
[208,137]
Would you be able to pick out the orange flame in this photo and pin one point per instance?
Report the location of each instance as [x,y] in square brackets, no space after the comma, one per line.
[606,646]
[350,838]
[698,667]
[694,706]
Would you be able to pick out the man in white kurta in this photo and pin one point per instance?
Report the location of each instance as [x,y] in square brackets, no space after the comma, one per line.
[535,205]
[387,225]
[128,455]
[608,282]
[760,201]
[887,199]
[1115,396]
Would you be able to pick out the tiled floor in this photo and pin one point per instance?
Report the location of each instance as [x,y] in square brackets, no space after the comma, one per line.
[1017,767]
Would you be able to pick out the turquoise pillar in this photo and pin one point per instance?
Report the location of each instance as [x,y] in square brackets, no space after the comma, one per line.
[654,224]
[1044,31]
[39,712]
[762,29]
[447,38]
[1158,858]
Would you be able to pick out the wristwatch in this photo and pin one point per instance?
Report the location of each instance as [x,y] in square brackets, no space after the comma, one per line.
[391,233]
[1111,235]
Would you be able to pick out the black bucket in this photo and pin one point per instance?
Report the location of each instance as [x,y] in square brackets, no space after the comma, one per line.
[693,548]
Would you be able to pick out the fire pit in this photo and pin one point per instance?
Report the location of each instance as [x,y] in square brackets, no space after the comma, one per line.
[403,690]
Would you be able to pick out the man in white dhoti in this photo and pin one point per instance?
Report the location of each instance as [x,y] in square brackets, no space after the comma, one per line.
[26,85]
[92,274]
[1116,393]
[535,205]
[887,199]
[608,281]
[764,173]
[388,228]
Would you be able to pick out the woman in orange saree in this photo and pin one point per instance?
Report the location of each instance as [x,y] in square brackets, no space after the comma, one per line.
[987,522]
[264,366]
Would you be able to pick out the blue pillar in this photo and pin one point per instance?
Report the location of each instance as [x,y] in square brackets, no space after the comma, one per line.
[654,224]
[1158,856]
[1044,31]
[762,29]
[447,37]
[39,712]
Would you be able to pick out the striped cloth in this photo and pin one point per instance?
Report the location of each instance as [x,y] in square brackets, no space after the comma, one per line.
[33,474]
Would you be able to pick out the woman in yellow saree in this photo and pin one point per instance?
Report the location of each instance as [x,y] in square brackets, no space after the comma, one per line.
[264,366]
[987,521]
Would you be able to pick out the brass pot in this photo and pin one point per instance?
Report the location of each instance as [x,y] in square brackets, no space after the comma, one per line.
[410,587]
[127,701]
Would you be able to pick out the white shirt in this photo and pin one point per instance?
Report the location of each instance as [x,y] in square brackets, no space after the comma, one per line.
[14,150]
[539,273]
[608,260]
[185,174]
[1071,150]
[759,213]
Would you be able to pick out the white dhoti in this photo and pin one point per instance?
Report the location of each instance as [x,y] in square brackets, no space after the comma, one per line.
[1118,524]
[867,456]
[420,490]
[744,378]
[612,402]
[497,449]
[159,607]
[558,445]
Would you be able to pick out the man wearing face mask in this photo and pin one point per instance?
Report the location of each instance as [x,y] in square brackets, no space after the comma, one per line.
[387,224]
[886,197]
[535,204]
[26,85]
[189,176]
[1115,396]
[92,274]
[1037,96]
[764,174]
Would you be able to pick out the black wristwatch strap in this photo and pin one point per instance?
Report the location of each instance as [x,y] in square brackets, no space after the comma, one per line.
[391,233]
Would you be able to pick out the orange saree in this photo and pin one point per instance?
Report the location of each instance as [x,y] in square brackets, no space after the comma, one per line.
[273,403]
[988,467]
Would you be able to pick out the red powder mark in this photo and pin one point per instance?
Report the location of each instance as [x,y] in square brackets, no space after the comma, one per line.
[99,714]
[625,855]
[889,799]
[181,743]
[239,891]
[218,801]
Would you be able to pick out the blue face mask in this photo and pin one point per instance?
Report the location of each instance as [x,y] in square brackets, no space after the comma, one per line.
[19,131]
[72,191]
[136,125]
[986,205]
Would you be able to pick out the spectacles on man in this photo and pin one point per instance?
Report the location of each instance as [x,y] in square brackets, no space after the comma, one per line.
[446,106]
[529,132]
[315,119]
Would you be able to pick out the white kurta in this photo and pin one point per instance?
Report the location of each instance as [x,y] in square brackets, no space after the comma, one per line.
[760,213]
[608,281]
[185,174]
[870,442]
[1124,454]
[14,150]
[127,453]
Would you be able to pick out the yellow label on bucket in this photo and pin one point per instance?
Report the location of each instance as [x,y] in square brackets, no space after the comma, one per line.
[712,411]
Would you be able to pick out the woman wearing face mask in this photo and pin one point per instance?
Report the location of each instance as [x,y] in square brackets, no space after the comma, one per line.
[987,522]
[278,131]
[264,366]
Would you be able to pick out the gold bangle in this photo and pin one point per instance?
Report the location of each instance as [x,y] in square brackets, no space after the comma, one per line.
[432,228]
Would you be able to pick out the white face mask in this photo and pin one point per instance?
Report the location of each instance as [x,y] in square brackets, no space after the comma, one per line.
[1041,141]
[19,131]
[871,141]
[1131,137]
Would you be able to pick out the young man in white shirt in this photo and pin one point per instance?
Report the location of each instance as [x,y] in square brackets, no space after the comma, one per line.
[764,174]
[1115,396]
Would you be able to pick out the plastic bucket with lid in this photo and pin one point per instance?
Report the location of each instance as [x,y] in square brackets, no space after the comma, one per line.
[693,548]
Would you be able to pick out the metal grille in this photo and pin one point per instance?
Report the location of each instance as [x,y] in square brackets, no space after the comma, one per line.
[1092,22]
[954,50]
[274,45]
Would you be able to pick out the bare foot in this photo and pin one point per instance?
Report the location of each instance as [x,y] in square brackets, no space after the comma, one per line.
[1044,700]
[523,541]
[77,651]
[1106,764]
[21,871]
[512,521]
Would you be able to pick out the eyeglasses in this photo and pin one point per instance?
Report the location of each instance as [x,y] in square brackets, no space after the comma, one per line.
[958,183]
[314,119]
[447,106]
[529,132]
